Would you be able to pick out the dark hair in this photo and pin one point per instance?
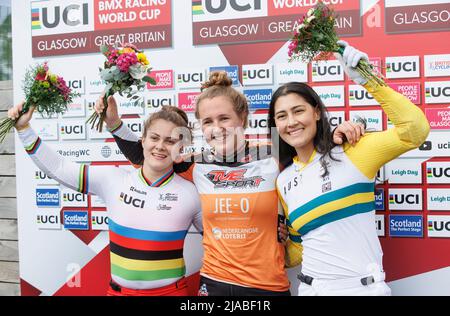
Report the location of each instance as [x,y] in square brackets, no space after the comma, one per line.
[323,140]
[219,84]
[171,114]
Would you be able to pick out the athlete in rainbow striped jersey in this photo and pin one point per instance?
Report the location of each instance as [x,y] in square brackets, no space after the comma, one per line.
[149,209]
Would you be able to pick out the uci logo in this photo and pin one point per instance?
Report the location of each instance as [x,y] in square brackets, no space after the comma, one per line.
[216,7]
[335,121]
[71,15]
[404,199]
[135,127]
[75,129]
[48,219]
[327,70]
[256,74]
[127,199]
[436,92]
[74,197]
[190,77]
[99,220]
[408,66]
[439,225]
[40,175]
[360,95]
[75,84]
[255,123]
[159,102]
[438,172]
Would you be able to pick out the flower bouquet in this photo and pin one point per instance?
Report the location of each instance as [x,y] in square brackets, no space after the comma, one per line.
[315,39]
[48,92]
[124,68]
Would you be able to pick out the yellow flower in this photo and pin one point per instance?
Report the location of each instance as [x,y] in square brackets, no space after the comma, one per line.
[142,59]
[127,50]
[53,78]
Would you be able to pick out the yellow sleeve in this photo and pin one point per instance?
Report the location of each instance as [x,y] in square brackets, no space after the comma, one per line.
[410,130]
[294,248]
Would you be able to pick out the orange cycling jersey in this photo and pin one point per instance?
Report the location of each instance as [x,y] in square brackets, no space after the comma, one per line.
[240,214]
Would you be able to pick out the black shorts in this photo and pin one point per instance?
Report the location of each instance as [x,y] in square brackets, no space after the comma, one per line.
[210,287]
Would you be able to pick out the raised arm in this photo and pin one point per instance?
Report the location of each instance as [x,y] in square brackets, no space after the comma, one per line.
[410,130]
[79,177]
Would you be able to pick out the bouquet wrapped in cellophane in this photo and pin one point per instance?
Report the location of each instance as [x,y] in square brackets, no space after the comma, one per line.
[125,67]
[44,90]
[315,39]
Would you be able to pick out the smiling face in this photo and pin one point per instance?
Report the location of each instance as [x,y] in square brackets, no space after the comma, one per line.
[296,121]
[161,145]
[222,127]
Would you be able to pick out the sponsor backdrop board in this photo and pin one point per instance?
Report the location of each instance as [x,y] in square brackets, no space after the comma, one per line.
[63,237]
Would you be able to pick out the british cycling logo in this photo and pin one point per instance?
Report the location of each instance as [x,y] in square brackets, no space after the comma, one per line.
[233,179]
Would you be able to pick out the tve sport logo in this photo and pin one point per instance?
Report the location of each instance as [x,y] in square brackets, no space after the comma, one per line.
[76,220]
[438,226]
[405,225]
[47,197]
[438,172]
[405,199]
[402,67]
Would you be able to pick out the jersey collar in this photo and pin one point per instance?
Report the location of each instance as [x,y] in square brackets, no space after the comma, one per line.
[299,166]
[165,179]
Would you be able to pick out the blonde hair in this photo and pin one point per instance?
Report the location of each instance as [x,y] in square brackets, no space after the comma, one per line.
[219,84]
[171,114]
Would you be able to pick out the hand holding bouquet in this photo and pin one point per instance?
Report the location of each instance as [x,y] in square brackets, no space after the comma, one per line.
[124,68]
[46,92]
[315,38]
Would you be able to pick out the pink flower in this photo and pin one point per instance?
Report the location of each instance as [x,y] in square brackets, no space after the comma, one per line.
[125,60]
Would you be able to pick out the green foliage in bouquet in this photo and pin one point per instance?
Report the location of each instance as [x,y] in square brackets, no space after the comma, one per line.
[45,91]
